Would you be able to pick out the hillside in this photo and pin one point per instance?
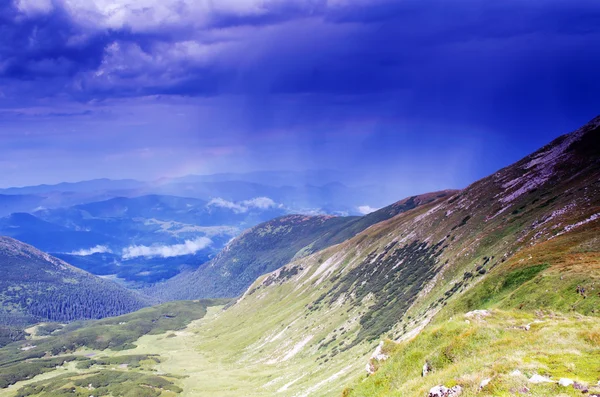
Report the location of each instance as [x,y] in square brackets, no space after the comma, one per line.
[521,244]
[524,320]
[35,286]
[272,244]
[530,231]
[17,203]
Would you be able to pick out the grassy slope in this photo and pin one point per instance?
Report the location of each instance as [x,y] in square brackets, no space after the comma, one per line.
[309,327]
[538,287]
[242,350]
[492,348]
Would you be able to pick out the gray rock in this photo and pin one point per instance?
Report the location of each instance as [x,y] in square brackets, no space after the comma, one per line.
[540,379]
[370,368]
[426,369]
[443,391]
[377,356]
[484,383]
[565,382]
[478,314]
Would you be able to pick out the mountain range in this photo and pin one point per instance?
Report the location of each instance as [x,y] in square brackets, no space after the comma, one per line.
[308,191]
[139,240]
[270,245]
[488,290]
[141,233]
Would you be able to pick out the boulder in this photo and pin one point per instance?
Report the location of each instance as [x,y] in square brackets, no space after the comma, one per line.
[443,391]
[565,382]
[376,357]
[540,379]
[478,314]
[484,383]
[378,353]
[426,369]
[370,368]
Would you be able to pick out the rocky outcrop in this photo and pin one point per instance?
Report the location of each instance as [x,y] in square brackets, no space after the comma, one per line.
[484,383]
[478,314]
[377,356]
[581,387]
[443,391]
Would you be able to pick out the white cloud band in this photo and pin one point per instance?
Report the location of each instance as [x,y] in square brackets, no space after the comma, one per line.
[189,247]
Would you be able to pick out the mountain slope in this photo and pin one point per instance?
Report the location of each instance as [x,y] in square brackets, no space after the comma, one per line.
[310,327]
[522,243]
[17,203]
[35,286]
[272,244]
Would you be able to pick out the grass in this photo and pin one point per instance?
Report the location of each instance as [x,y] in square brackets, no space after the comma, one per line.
[117,334]
[466,352]
[214,355]
[495,288]
[284,340]
[541,287]
[102,383]
[248,349]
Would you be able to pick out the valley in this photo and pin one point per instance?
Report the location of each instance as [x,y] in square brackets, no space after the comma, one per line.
[142,233]
[494,288]
[260,198]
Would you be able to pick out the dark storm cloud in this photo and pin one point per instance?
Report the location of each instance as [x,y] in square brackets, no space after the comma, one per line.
[435,47]
[307,80]
[44,45]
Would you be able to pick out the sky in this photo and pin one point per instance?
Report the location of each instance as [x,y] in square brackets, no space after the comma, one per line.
[421,94]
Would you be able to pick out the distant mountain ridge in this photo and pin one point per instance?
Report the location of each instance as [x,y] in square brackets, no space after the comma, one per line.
[273,178]
[316,191]
[83,186]
[101,236]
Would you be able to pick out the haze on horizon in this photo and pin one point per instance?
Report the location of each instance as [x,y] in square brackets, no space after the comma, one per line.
[419,95]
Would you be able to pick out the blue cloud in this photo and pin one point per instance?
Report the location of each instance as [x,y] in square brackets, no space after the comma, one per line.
[281,81]
[172,47]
